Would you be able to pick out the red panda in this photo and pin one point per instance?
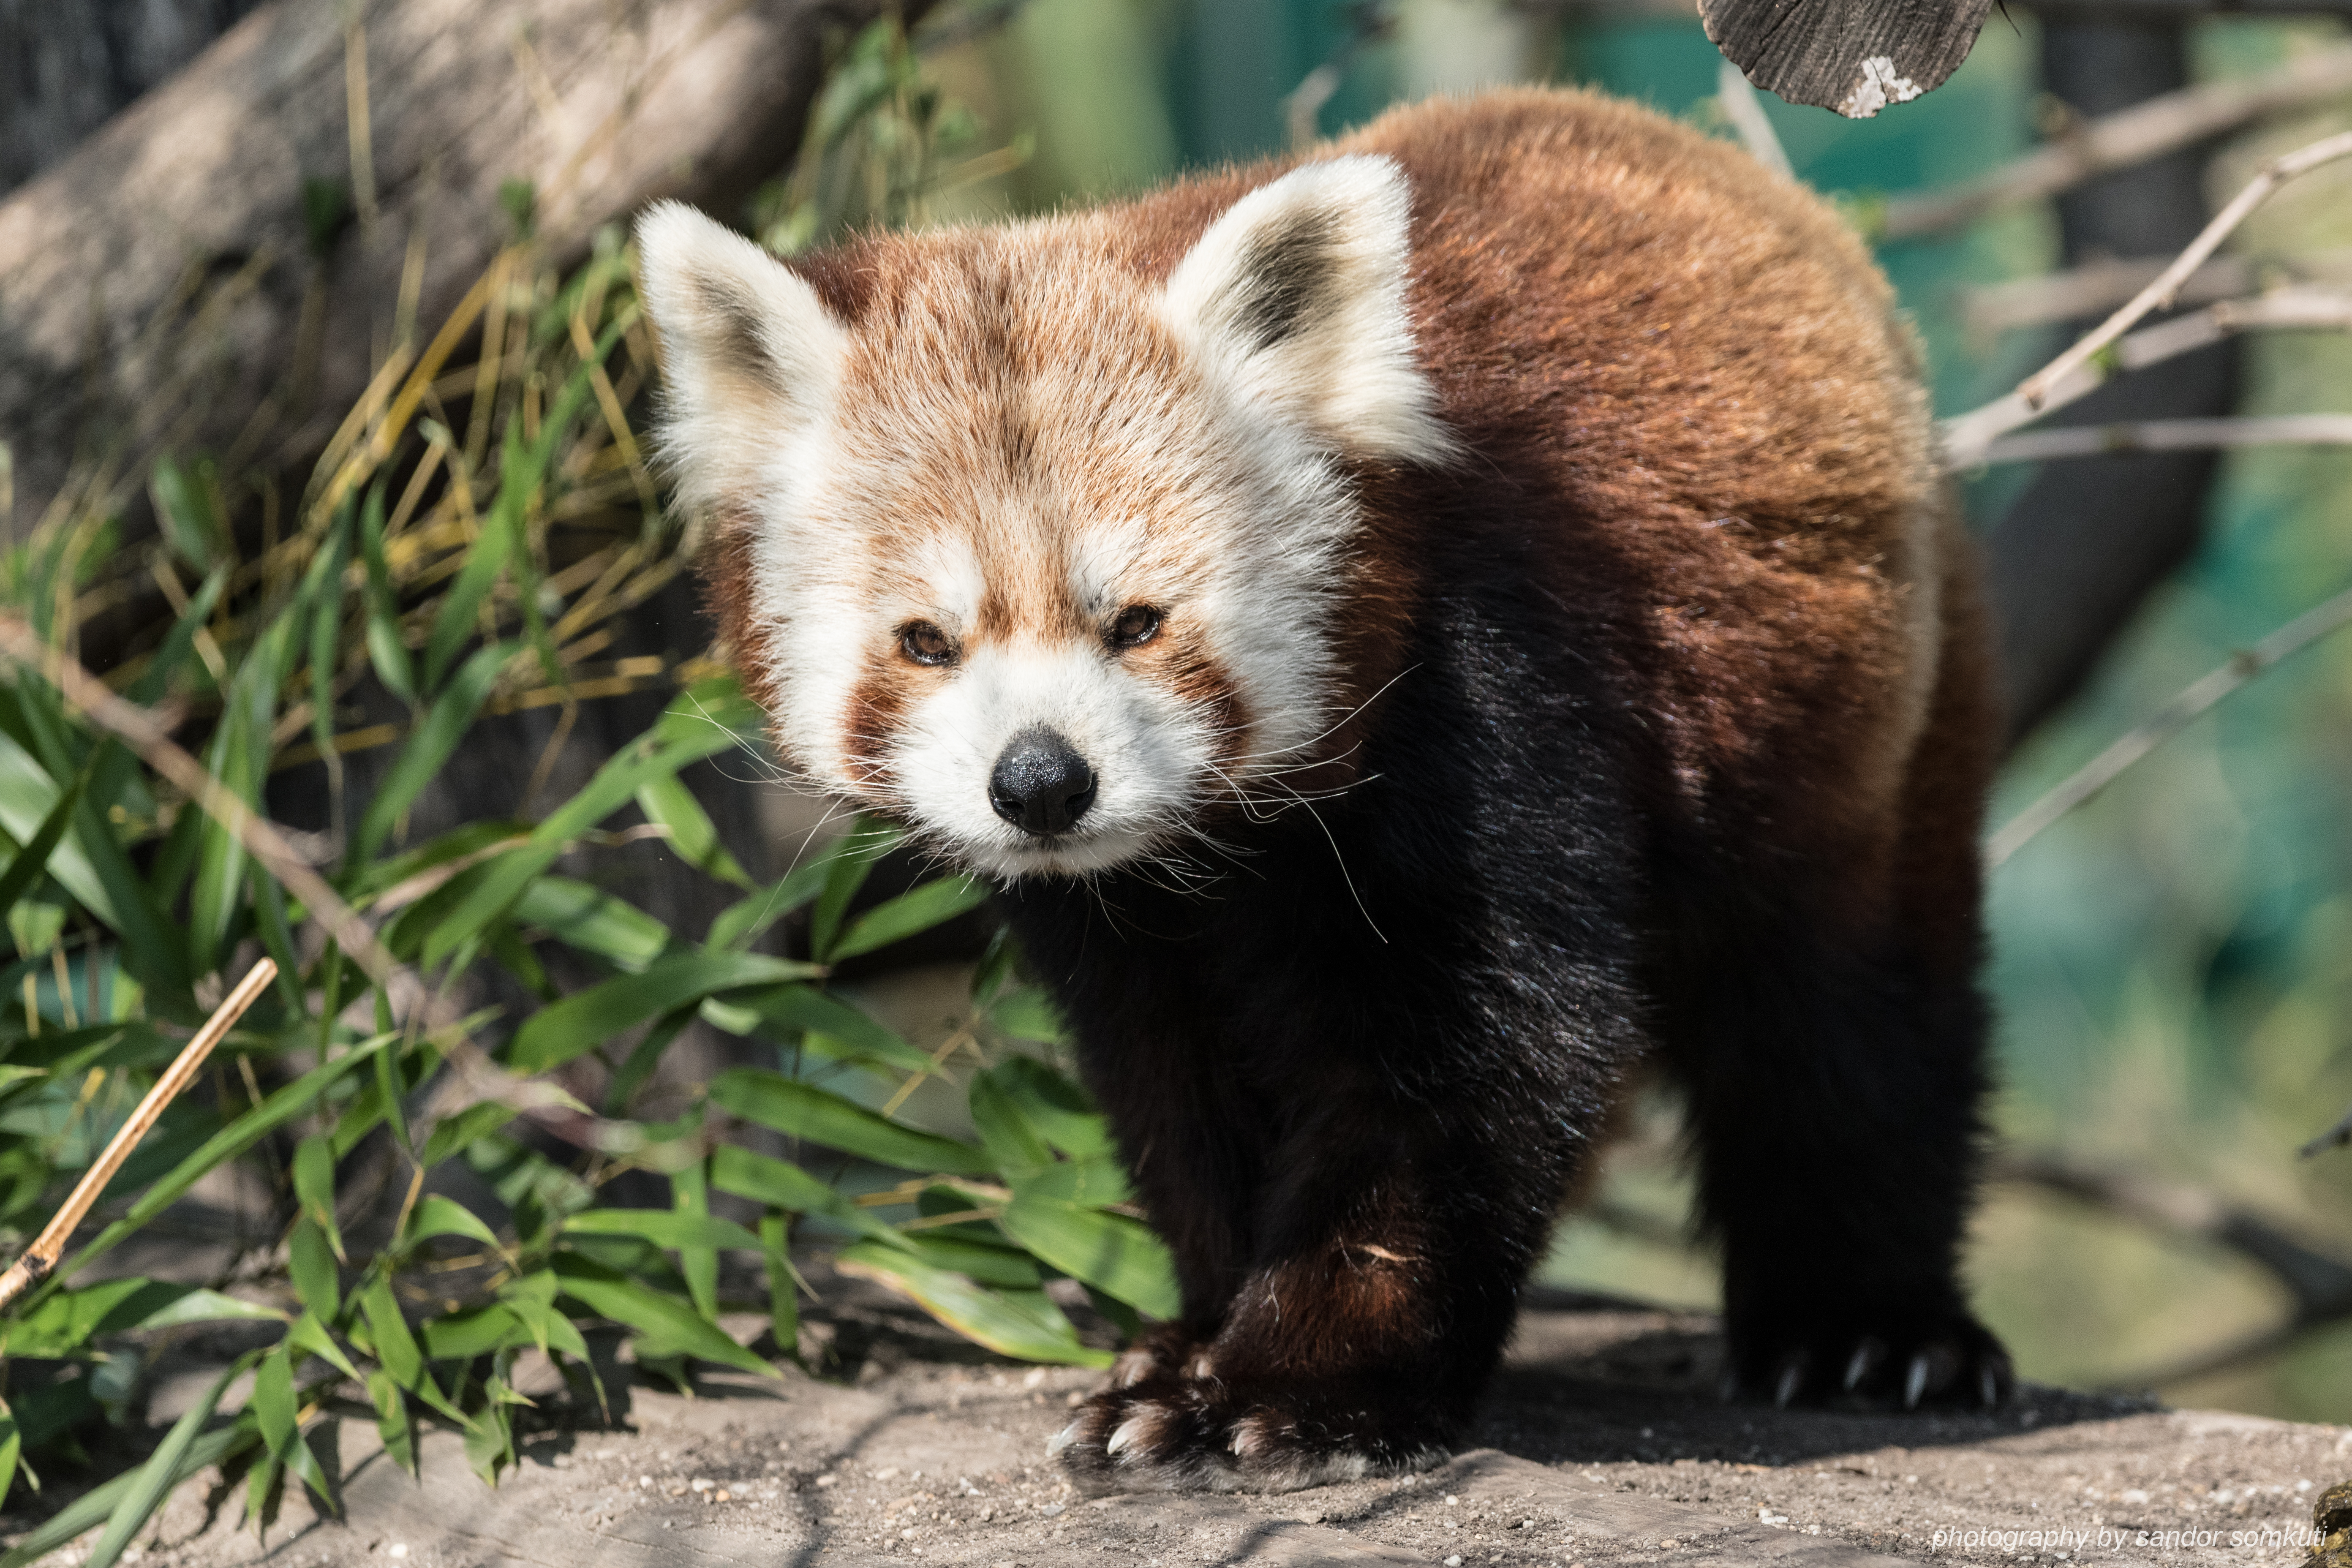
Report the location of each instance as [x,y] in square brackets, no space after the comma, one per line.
[1412,630]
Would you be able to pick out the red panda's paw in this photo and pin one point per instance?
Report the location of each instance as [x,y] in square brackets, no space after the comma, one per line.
[1177,1433]
[1163,1349]
[1947,1360]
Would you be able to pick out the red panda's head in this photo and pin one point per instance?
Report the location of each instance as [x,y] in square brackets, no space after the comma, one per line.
[1045,558]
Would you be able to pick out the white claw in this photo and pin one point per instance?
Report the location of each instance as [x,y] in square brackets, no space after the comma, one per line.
[1128,1431]
[1061,1439]
[1793,1376]
[1988,1387]
[1915,1382]
[1856,1365]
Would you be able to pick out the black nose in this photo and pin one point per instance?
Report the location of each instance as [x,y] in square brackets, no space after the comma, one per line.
[1040,785]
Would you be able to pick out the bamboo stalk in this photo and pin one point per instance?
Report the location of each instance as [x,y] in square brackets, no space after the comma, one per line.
[32,1264]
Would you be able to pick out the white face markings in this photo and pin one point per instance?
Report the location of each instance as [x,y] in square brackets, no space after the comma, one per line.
[1033,443]
[1144,746]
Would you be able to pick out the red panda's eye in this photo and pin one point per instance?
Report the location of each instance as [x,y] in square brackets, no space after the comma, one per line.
[1137,624]
[926,644]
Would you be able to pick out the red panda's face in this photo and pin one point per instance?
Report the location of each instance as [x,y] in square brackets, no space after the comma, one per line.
[1041,558]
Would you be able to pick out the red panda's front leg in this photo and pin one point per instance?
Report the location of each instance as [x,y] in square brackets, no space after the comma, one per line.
[1354,1346]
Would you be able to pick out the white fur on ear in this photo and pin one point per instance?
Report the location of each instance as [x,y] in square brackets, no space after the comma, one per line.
[1298,294]
[750,353]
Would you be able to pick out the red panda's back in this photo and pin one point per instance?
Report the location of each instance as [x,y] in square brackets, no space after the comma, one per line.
[1701,359]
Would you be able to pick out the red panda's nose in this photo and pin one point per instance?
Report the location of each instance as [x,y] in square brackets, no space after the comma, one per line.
[1040,785]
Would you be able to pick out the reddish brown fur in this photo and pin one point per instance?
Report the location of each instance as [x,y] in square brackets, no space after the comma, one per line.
[1691,371]
[1605,319]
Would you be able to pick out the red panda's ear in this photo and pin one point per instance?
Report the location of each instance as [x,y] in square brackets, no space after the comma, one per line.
[748,352]
[1298,294]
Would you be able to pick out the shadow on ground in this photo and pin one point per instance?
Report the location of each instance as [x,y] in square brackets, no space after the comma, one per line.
[1601,1443]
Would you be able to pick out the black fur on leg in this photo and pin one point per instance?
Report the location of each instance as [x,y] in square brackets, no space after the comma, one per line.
[1353,1079]
[1834,1102]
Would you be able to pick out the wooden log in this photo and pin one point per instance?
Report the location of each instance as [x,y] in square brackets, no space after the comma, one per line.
[180,280]
[1855,57]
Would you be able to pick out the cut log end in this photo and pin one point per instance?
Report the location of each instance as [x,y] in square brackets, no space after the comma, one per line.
[1852,57]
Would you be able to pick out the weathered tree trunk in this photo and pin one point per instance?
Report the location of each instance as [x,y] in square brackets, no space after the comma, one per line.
[68,66]
[156,283]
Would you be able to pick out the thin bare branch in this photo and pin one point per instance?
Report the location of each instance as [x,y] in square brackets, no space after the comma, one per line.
[2118,140]
[2320,1285]
[2158,294]
[2102,770]
[1367,22]
[32,1264]
[2172,435]
[2052,297]
[1973,438]
[1746,111]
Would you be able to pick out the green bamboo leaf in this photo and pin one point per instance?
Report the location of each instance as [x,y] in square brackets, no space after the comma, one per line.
[430,746]
[1110,1251]
[1051,1106]
[783,1303]
[531,1298]
[221,1147]
[522,466]
[1028,1325]
[149,1485]
[185,515]
[310,1334]
[438,1216]
[667,1228]
[667,802]
[662,751]
[273,1400]
[392,1421]
[1012,1141]
[479,1331]
[70,1321]
[179,646]
[1095,1182]
[988,1263]
[386,650]
[591,921]
[662,1318]
[460,613]
[456,1134]
[314,1186]
[804,1111]
[1027,1013]
[697,1258]
[389,655]
[741,921]
[917,909]
[325,591]
[196,1304]
[396,1347]
[94,1506]
[12,1448]
[850,1035]
[846,871]
[27,867]
[582,1022]
[264,1486]
[783,1185]
[312,1263]
[29,798]
[153,947]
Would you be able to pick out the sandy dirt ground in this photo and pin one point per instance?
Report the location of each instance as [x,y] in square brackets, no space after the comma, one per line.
[1600,1445]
